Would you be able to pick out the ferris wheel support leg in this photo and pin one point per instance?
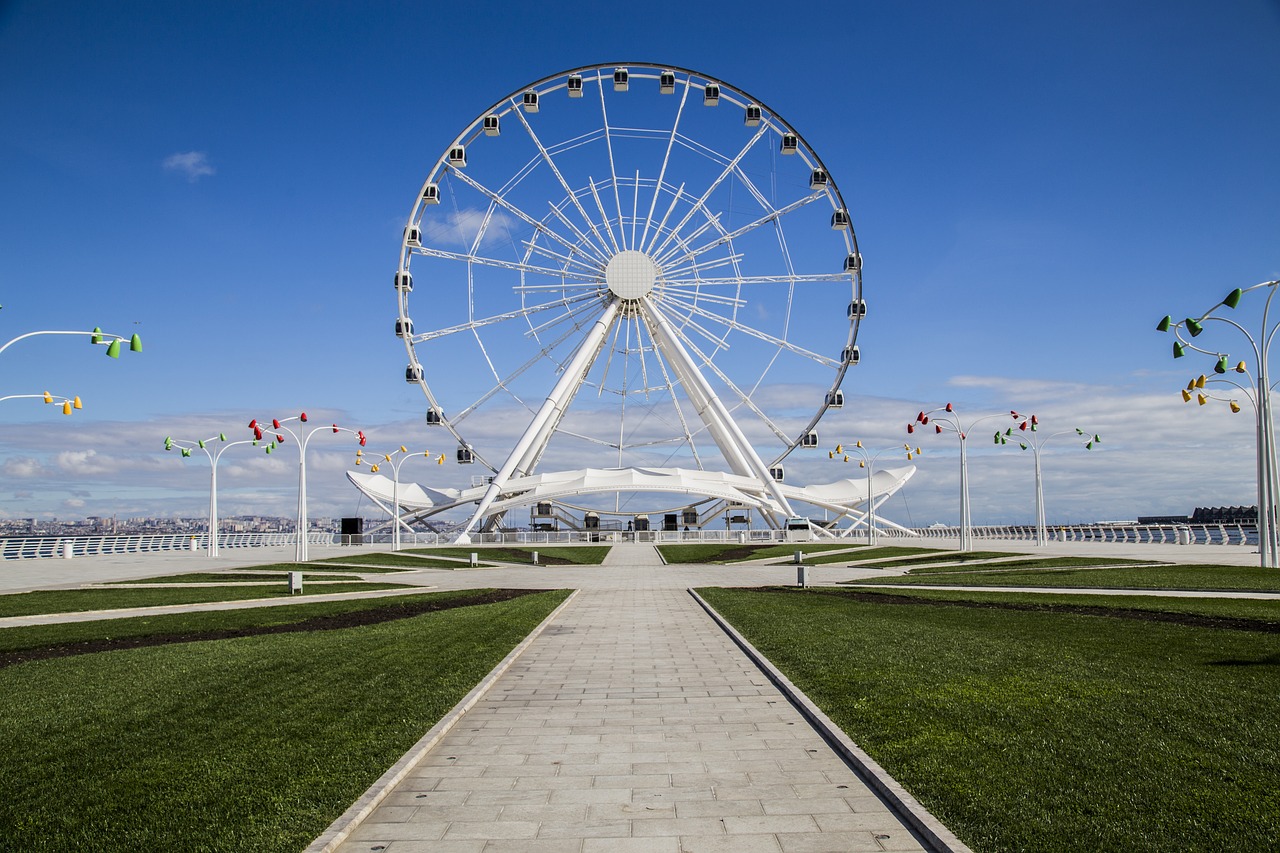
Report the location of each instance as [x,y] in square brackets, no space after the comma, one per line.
[549,412]
[713,414]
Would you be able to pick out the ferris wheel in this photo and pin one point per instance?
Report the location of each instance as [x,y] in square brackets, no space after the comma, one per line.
[629,266]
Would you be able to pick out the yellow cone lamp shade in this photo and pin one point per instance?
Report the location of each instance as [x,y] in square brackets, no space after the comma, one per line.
[1240,368]
[1200,380]
[1186,396]
[862,464]
[1235,407]
[1201,399]
[404,449]
[66,407]
[48,398]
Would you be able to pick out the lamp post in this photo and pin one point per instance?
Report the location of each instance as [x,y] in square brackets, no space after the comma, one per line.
[396,458]
[1259,392]
[868,461]
[68,403]
[300,550]
[949,421]
[203,444]
[1028,436]
[97,336]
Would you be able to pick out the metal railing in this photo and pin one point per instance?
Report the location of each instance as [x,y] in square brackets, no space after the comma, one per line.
[36,547]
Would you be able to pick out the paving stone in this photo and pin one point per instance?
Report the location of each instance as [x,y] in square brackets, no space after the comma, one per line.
[632,724]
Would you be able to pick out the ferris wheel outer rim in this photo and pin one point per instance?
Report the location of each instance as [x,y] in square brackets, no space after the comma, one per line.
[475,127]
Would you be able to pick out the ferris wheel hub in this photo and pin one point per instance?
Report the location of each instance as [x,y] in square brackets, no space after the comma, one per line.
[631,274]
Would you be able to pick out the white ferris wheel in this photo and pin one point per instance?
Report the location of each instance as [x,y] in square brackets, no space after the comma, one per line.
[631,267]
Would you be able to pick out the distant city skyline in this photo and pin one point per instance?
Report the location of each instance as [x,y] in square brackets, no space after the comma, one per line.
[1032,187]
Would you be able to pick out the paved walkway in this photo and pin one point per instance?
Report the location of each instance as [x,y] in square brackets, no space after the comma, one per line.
[632,724]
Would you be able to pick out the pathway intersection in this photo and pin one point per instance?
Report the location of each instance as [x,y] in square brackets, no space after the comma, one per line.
[630,722]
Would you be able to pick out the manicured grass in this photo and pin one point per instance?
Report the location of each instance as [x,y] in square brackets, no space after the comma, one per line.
[1165,576]
[386,561]
[196,621]
[230,578]
[1265,612]
[77,600]
[1029,562]
[252,744]
[1035,731]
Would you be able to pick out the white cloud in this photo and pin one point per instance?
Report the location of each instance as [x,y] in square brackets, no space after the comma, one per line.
[194,165]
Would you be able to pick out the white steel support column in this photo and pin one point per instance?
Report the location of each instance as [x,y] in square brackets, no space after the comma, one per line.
[733,444]
[551,410]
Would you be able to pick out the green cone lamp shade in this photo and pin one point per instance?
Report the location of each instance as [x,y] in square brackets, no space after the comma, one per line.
[1178,349]
[113,349]
[1233,298]
[1193,327]
[1165,324]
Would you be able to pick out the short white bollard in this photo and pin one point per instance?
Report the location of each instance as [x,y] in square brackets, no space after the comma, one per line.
[535,558]
[475,559]
[295,583]
[68,549]
[802,576]
[193,543]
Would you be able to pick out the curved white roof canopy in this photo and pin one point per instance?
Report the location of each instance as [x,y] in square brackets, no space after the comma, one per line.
[841,496]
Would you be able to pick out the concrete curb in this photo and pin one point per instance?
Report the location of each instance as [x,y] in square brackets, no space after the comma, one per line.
[341,828]
[929,829]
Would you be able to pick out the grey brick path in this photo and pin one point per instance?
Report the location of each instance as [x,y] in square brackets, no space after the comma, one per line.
[631,724]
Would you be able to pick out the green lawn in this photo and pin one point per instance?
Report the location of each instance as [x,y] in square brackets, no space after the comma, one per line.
[1160,576]
[232,578]
[386,561]
[77,600]
[1042,730]
[251,744]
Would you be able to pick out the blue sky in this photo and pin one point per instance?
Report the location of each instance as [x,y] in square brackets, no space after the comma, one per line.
[1032,185]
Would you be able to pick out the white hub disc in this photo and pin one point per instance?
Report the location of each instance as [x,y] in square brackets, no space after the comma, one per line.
[631,274]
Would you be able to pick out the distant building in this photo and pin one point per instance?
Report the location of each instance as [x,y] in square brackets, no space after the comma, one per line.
[1207,515]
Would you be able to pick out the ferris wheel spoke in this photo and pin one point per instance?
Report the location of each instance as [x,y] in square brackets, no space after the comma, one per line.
[675,402]
[471,325]
[698,268]
[602,258]
[485,261]
[590,269]
[770,217]
[691,291]
[732,386]
[734,325]
[666,159]
[815,278]
[604,217]
[505,383]
[683,242]
[675,199]
[608,362]
[600,244]
[613,168]
[501,200]
[589,307]
[687,321]
[700,204]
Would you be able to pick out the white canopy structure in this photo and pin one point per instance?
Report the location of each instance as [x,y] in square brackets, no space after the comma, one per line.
[842,499]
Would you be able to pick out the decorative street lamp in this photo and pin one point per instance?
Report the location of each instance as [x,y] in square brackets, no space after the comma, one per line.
[396,458]
[1258,391]
[68,403]
[186,447]
[949,421]
[1028,436]
[97,336]
[869,462]
[259,430]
